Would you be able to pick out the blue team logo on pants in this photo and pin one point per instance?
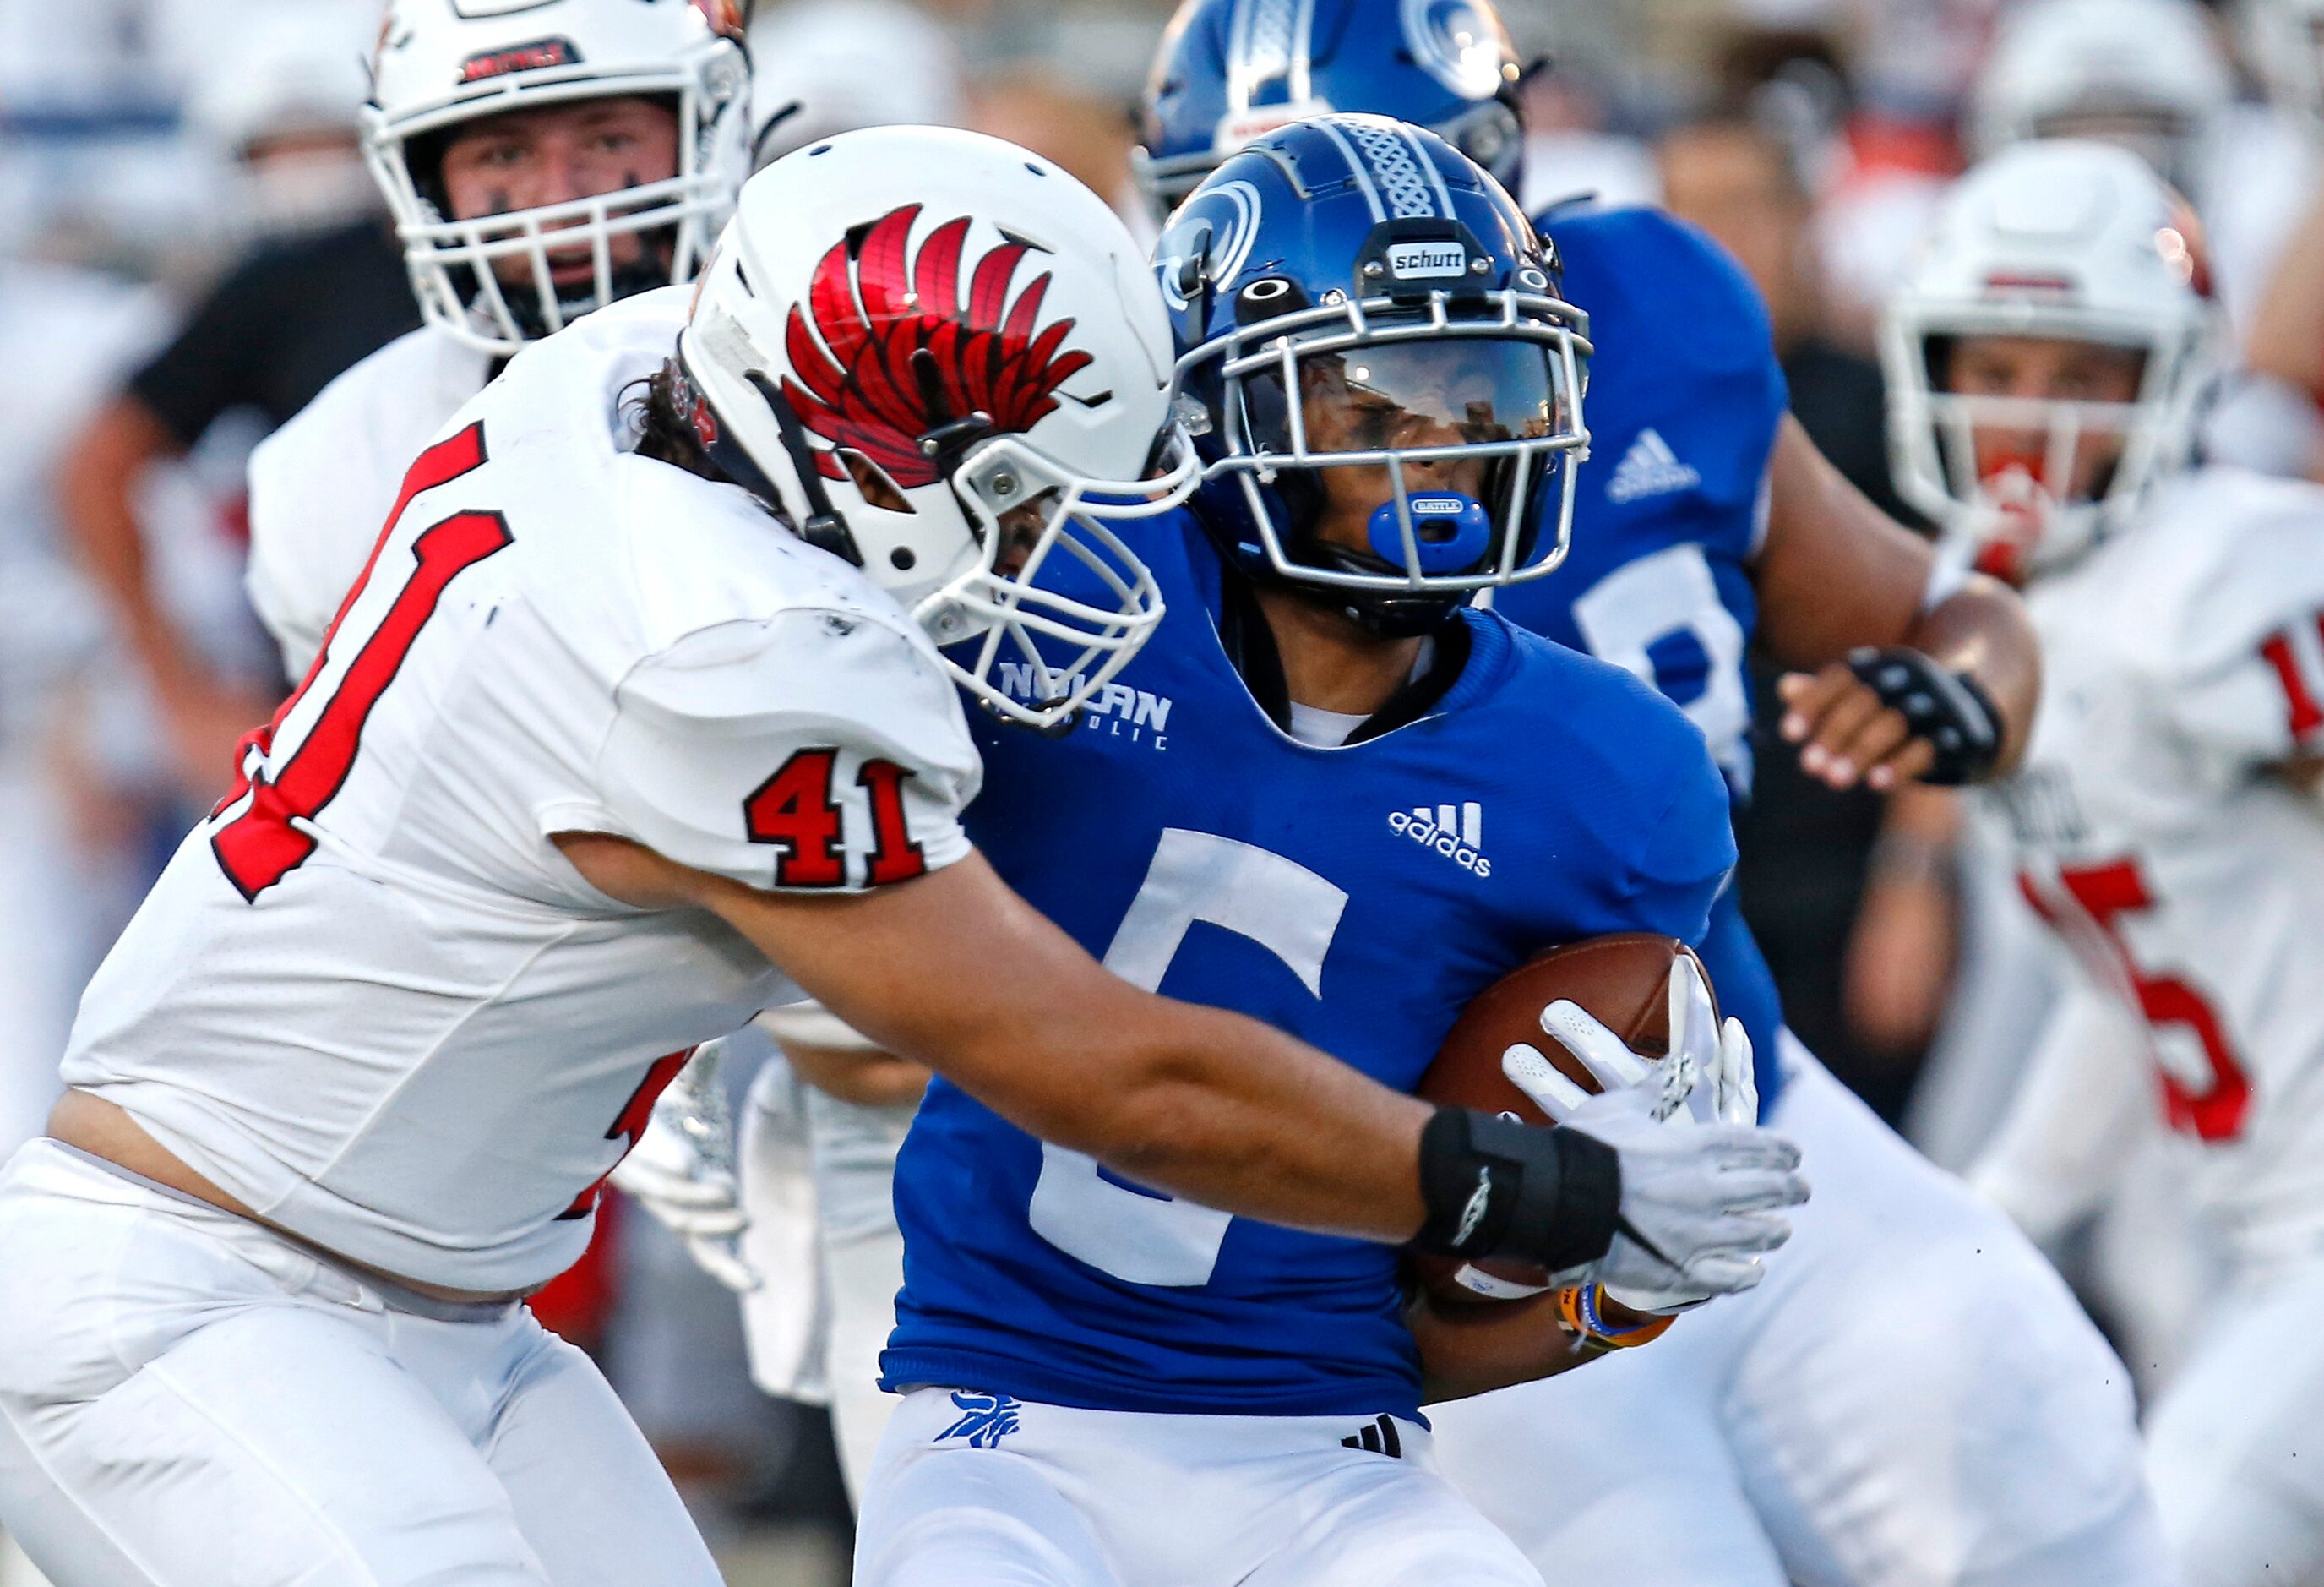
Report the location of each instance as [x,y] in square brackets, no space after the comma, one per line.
[989,1418]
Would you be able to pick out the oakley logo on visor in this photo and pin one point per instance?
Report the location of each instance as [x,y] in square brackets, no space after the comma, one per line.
[533,57]
[1427,261]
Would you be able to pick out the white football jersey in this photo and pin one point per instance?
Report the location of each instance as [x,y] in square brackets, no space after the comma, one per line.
[369,997]
[2183,661]
[322,485]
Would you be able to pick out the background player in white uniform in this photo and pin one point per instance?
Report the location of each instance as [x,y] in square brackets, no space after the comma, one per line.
[594,742]
[2164,820]
[621,128]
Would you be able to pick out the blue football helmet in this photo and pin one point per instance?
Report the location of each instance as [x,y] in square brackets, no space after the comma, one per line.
[1383,383]
[1230,70]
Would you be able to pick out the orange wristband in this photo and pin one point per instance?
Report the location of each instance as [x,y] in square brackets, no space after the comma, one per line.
[1578,1312]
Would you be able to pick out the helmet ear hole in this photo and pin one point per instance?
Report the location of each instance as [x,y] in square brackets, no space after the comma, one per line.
[1267,298]
[879,490]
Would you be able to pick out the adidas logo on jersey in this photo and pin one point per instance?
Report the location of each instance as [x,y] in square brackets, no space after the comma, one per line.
[1650,468]
[1457,834]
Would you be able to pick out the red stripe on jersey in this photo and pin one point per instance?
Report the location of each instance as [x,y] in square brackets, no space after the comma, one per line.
[260,846]
[2306,716]
[631,1123]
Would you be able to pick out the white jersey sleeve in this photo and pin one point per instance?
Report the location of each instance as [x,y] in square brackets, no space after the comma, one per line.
[819,749]
[322,486]
[2181,660]
[2246,670]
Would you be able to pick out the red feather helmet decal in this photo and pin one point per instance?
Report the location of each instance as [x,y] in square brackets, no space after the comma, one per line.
[862,384]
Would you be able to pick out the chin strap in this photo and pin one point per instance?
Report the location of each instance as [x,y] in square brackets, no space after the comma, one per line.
[824,529]
[1376,612]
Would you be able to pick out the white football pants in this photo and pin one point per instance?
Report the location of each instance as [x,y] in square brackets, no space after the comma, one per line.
[818,1180]
[2236,1447]
[1005,1493]
[188,1399]
[1911,1399]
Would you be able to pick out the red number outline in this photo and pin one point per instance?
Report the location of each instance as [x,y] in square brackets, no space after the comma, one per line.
[895,855]
[2104,893]
[258,848]
[2305,716]
[796,812]
[793,811]
[631,1123]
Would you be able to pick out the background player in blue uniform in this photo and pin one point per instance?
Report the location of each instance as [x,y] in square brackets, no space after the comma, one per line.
[1304,809]
[1913,1398]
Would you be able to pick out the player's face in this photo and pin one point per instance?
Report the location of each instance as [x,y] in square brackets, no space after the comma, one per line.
[1412,395]
[532,158]
[2048,369]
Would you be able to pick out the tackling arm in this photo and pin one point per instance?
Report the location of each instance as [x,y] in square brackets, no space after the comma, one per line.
[1836,576]
[1195,1100]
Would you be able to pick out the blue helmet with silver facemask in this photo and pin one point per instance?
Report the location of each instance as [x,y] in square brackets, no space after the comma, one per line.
[1229,71]
[1382,381]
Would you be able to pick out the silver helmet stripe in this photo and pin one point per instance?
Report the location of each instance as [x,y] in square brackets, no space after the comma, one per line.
[1358,166]
[1268,41]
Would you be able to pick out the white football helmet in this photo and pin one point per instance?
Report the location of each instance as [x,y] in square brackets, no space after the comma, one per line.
[947,362]
[443,63]
[2283,40]
[2149,74]
[291,73]
[2064,239]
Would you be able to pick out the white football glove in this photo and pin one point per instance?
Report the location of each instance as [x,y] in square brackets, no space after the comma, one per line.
[1703,1188]
[682,1171]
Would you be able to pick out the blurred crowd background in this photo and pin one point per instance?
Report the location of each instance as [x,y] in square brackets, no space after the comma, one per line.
[190,247]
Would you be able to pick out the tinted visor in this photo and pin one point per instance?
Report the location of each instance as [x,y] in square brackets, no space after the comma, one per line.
[1409,396]
[1420,438]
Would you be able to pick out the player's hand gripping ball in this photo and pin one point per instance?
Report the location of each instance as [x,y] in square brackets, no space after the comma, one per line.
[1625,982]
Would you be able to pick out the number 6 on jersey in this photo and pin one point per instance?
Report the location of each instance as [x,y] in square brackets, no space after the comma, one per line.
[1280,904]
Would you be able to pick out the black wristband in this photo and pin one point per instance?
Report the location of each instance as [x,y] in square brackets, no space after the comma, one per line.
[1496,1187]
[1948,709]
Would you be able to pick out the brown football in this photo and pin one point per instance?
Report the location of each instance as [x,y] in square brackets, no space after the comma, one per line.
[1623,980]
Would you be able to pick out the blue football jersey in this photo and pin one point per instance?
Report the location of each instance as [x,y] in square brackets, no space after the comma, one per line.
[1683,407]
[1357,897]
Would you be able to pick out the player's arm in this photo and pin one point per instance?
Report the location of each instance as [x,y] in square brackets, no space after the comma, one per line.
[155,419]
[1472,1350]
[105,466]
[955,970]
[1835,578]
[840,1063]
[717,787]
[2287,330]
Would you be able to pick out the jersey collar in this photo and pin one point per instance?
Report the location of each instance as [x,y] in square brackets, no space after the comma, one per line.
[1250,646]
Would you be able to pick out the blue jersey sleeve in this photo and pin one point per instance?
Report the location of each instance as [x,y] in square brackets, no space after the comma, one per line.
[1687,855]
